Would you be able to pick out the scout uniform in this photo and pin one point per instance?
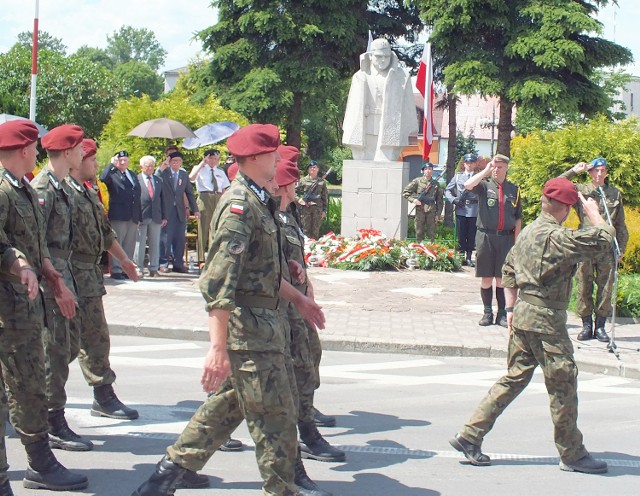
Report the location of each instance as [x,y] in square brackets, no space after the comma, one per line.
[316,195]
[425,216]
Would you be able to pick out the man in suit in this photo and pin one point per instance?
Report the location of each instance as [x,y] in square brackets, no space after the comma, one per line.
[176,185]
[124,206]
[153,215]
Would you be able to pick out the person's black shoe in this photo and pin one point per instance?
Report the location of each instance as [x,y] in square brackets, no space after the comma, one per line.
[107,404]
[46,472]
[587,329]
[587,465]
[471,451]
[501,319]
[600,333]
[62,437]
[487,319]
[305,486]
[180,270]
[231,445]
[315,447]
[162,481]
[470,262]
[465,262]
[193,480]
[323,420]
[119,276]
[5,488]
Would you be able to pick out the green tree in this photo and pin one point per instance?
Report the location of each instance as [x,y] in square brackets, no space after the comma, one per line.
[45,42]
[70,89]
[138,78]
[97,55]
[542,155]
[465,145]
[129,43]
[538,54]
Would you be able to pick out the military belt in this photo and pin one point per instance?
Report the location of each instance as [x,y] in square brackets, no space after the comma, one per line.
[543,302]
[470,202]
[503,232]
[243,300]
[83,257]
[57,253]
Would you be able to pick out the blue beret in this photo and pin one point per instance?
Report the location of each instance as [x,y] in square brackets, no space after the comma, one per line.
[598,162]
[470,157]
[427,165]
[313,163]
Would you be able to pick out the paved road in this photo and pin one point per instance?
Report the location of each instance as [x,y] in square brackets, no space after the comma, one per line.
[395,413]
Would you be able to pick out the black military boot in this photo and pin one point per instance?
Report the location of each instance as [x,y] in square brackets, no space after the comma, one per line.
[306,487]
[62,437]
[107,404]
[600,333]
[45,472]
[231,445]
[470,262]
[323,420]
[587,329]
[314,446]
[487,319]
[5,487]
[163,481]
[193,480]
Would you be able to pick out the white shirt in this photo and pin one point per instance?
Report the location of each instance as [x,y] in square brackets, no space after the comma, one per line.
[204,182]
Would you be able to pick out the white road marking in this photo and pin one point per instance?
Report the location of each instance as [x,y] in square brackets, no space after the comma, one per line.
[155,347]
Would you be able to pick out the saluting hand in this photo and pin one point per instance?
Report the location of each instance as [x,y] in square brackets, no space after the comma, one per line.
[581,167]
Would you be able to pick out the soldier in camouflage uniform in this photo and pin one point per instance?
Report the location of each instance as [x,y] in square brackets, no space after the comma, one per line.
[602,270]
[242,286]
[92,236]
[25,259]
[537,278]
[499,222]
[426,194]
[313,198]
[64,148]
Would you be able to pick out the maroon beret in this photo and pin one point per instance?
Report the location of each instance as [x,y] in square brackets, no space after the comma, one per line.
[17,134]
[63,137]
[287,172]
[89,147]
[288,152]
[562,190]
[254,139]
[232,171]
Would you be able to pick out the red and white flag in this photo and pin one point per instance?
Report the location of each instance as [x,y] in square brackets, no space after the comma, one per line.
[424,84]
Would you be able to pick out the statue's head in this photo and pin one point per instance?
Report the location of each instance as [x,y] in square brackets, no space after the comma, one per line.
[380,54]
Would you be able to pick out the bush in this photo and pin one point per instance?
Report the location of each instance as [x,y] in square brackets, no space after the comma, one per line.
[333,221]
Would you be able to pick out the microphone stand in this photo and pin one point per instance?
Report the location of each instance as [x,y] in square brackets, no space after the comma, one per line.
[611,346]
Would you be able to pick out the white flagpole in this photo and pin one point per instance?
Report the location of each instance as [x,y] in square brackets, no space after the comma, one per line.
[34,65]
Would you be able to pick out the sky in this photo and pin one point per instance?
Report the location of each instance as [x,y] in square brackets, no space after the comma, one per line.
[88,22]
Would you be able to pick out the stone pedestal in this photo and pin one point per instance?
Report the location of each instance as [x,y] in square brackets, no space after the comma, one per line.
[372,197]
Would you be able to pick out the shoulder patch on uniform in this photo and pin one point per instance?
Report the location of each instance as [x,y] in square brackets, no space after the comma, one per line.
[235,246]
[236,208]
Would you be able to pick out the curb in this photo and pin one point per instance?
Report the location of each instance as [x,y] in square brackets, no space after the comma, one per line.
[602,366]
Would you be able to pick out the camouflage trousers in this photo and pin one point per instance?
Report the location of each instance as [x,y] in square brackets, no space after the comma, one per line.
[4,417]
[61,347]
[554,354]
[22,359]
[91,325]
[424,222]
[303,364]
[600,272]
[311,220]
[260,391]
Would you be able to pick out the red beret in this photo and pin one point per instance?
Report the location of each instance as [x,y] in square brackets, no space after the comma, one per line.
[17,134]
[232,171]
[287,172]
[288,152]
[562,190]
[90,148]
[63,137]
[254,139]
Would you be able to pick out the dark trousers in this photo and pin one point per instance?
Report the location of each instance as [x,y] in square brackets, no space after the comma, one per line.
[466,227]
[174,246]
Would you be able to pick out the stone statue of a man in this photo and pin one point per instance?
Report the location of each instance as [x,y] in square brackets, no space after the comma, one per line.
[381,110]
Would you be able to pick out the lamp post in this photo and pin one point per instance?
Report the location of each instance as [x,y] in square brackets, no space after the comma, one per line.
[485,123]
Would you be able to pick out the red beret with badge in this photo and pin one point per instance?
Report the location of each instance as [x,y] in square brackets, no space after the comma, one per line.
[17,134]
[287,172]
[63,137]
[89,147]
[561,190]
[254,139]
[288,152]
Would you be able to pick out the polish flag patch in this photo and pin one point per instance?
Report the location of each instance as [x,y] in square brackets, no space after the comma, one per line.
[41,201]
[237,209]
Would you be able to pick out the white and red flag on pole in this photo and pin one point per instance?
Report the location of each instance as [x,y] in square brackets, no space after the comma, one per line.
[424,84]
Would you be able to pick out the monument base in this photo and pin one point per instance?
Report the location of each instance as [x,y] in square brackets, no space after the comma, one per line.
[372,197]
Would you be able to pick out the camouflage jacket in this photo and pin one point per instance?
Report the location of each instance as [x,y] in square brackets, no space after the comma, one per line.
[55,203]
[434,200]
[614,204]
[92,236]
[21,236]
[319,195]
[243,268]
[541,265]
